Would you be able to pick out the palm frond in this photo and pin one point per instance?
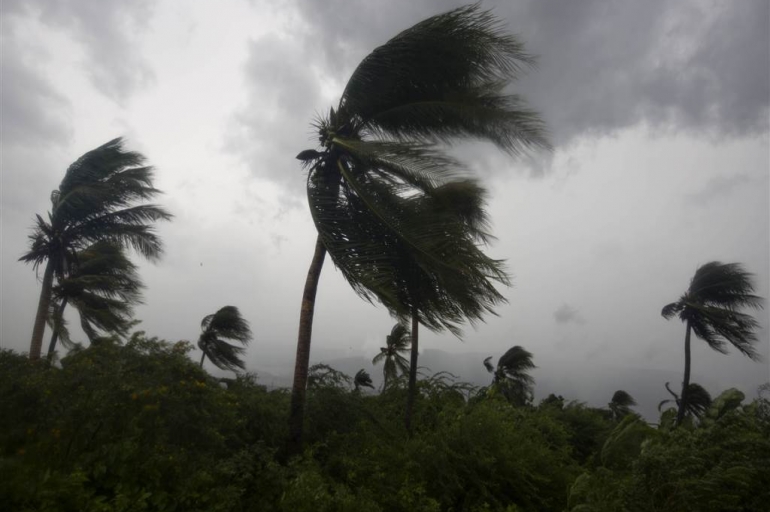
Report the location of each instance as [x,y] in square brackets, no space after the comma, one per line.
[442,79]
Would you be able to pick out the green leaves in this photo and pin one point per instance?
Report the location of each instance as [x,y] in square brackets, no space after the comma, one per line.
[712,304]
[225,324]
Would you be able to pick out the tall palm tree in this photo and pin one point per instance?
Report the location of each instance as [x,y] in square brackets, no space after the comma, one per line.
[362,379]
[710,308]
[103,286]
[699,400]
[439,81]
[621,404]
[99,199]
[396,344]
[225,324]
[511,376]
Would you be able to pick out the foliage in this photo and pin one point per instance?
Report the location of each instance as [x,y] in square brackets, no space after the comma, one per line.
[711,308]
[225,324]
[621,404]
[98,200]
[396,344]
[103,285]
[511,377]
[142,427]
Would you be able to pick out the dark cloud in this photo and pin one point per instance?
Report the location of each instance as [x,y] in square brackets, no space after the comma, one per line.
[604,66]
[566,314]
[105,29]
[274,125]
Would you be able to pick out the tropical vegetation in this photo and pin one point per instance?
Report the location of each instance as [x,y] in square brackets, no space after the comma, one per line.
[381,187]
[217,328]
[99,200]
[391,355]
[711,308]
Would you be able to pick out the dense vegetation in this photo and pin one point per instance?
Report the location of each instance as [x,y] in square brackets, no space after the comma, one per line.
[131,423]
[140,426]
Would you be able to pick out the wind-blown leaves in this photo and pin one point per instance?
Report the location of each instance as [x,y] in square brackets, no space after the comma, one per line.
[100,199]
[394,363]
[225,324]
[511,376]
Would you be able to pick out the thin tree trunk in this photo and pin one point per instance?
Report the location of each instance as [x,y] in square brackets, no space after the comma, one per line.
[203,356]
[36,344]
[55,333]
[686,381]
[412,372]
[297,410]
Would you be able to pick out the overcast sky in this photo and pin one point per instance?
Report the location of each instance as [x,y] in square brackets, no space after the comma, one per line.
[658,112]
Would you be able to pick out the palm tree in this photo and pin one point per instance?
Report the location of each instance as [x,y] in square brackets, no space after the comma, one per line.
[225,324]
[362,379]
[98,200]
[396,343]
[439,81]
[621,404]
[511,375]
[699,400]
[103,286]
[710,308]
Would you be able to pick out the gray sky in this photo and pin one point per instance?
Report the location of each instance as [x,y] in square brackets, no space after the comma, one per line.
[658,111]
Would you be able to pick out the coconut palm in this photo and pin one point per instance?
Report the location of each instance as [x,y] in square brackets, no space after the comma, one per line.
[621,404]
[396,344]
[699,400]
[103,286]
[511,375]
[362,379]
[99,199]
[439,81]
[225,324]
[710,308]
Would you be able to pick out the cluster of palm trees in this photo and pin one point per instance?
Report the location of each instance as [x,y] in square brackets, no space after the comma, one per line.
[400,217]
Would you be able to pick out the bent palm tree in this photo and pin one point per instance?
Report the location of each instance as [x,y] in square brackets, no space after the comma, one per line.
[439,81]
[710,308]
[396,343]
[96,201]
[225,324]
[103,286]
[511,375]
[699,400]
[362,379]
[621,404]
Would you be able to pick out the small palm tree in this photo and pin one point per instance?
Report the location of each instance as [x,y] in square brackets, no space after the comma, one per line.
[225,324]
[396,344]
[99,199]
[710,308]
[362,379]
[103,286]
[621,404]
[698,403]
[511,375]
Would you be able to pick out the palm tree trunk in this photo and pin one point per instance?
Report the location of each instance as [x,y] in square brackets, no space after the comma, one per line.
[686,380]
[412,371]
[36,344]
[55,333]
[297,410]
[203,356]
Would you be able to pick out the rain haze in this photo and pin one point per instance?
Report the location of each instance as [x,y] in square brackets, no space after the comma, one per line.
[657,111]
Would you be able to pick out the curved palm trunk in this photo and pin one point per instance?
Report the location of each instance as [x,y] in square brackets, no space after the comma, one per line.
[686,380]
[297,410]
[55,334]
[412,372]
[36,344]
